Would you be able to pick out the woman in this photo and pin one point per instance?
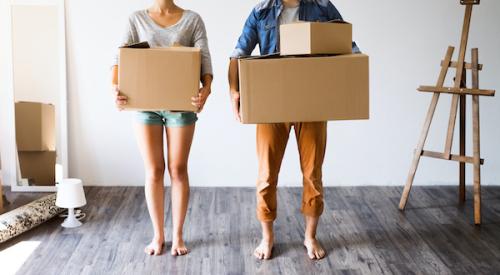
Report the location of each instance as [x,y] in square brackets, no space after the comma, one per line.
[165,24]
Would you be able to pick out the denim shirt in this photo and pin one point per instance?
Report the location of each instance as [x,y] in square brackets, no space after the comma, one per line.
[262,26]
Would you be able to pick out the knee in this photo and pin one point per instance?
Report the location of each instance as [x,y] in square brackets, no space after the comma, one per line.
[155,174]
[178,172]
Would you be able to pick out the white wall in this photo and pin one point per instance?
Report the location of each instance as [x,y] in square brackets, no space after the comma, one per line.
[405,39]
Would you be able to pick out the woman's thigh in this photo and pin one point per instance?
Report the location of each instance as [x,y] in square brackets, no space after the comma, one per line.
[179,140]
[150,141]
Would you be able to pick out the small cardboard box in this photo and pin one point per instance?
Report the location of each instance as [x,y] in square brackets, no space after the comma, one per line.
[35,126]
[38,167]
[302,38]
[301,89]
[158,79]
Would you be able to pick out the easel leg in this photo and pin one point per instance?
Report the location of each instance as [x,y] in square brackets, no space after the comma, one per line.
[463,104]
[418,151]
[476,139]
[451,126]
[477,160]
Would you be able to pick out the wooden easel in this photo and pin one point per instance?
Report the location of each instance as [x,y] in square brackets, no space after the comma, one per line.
[459,92]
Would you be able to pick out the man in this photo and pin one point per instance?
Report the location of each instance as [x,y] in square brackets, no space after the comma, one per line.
[262,27]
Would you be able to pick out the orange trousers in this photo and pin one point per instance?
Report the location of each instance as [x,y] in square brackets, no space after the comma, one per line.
[271,144]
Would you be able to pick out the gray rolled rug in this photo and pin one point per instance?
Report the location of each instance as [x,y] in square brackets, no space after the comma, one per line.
[27,217]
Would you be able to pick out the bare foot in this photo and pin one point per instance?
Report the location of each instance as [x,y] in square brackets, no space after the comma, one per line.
[178,247]
[314,249]
[154,248]
[263,251]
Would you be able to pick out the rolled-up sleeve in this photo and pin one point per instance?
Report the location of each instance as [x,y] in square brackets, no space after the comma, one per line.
[201,41]
[249,37]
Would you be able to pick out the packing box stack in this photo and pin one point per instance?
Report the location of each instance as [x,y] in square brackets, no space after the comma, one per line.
[36,142]
[316,77]
[157,79]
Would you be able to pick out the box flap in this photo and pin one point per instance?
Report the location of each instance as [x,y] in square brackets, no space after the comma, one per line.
[140,45]
[267,56]
[337,21]
[278,56]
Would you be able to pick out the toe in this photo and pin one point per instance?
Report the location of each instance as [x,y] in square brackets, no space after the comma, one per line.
[322,254]
[158,251]
[310,254]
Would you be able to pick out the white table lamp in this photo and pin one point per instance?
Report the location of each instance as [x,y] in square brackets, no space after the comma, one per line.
[70,195]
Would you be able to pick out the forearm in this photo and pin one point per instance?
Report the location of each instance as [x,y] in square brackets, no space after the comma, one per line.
[233,75]
[206,80]
[114,75]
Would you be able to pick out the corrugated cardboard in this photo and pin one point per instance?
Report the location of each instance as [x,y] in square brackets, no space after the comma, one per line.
[35,126]
[38,167]
[301,89]
[316,38]
[159,79]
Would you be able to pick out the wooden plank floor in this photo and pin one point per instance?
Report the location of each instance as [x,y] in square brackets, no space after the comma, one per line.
[361,229]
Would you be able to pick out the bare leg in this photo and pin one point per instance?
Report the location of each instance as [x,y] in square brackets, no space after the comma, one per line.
[314,249]
[179,141]
[150,140]
[264,250]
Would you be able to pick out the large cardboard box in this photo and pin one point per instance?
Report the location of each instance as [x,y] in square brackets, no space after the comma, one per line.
[38,167]
[159,79]
[35,126]
[316,38]
[302,89]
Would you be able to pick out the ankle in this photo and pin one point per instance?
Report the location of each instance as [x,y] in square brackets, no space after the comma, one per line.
[159,239]
[268,237]
[309,238]
[267,232]
[177,237]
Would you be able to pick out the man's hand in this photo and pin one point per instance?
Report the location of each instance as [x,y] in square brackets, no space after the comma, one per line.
[235,102]
[120,100]
[200,100]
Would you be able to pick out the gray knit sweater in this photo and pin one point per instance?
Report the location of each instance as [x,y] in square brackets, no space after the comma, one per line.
[189,31]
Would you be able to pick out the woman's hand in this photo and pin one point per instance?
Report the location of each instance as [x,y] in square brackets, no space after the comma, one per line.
[200,100]
[120,100]
[235,102]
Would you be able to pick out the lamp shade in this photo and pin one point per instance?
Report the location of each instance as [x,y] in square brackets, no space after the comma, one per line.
[70,194]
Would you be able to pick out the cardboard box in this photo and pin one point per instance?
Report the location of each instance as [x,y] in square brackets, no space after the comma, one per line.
[35,126]
[160,79]
[38,167]
[316,38]
[301,89]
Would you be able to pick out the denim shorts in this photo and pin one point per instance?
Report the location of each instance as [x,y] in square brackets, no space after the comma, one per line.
[169,119]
